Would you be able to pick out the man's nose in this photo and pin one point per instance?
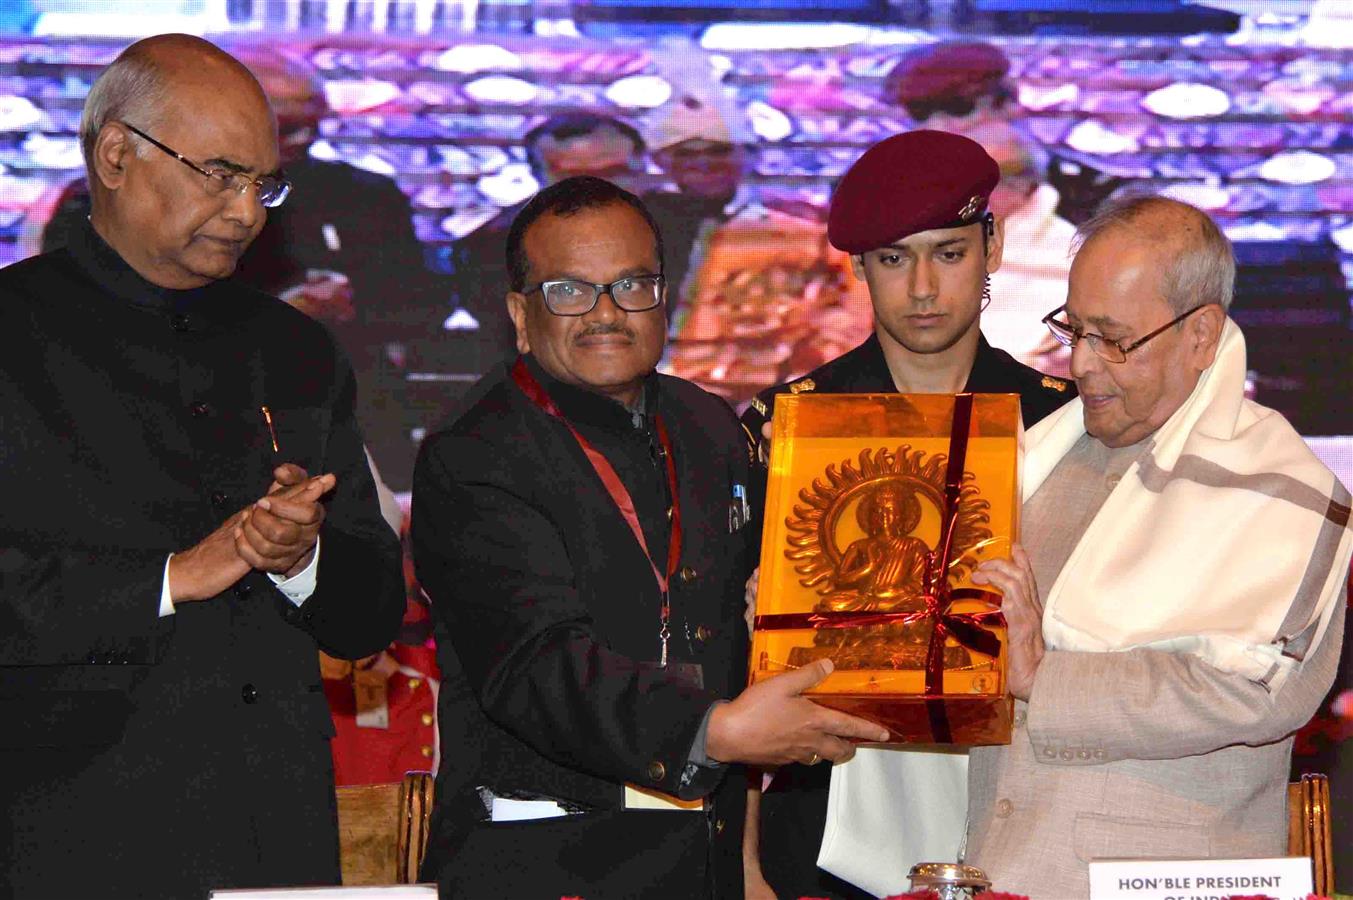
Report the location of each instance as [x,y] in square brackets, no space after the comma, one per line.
[1083,359]
[924,280]
[606,309]
[243,207]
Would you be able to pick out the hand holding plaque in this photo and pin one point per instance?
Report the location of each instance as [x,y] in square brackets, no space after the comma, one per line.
[1014,578]
[771,724]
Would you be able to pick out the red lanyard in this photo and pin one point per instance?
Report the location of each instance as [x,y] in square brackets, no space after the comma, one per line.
[620,496]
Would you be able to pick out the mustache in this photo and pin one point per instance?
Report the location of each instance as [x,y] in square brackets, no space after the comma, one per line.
[602,329]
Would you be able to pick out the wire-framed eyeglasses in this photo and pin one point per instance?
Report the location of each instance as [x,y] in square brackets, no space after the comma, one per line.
[570,297]
[271,189]
[1106,349]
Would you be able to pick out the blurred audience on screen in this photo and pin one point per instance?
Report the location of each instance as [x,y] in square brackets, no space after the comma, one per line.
[561,146]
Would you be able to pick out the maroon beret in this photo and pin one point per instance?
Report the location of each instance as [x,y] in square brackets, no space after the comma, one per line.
[909,183]
[946,71]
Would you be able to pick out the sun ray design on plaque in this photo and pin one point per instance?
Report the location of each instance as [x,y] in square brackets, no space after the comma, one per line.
[813,525]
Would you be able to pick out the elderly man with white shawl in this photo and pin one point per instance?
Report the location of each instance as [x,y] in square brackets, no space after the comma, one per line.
[1175,612]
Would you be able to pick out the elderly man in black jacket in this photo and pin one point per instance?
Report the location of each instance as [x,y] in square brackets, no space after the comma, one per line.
[581,532]
[188,515]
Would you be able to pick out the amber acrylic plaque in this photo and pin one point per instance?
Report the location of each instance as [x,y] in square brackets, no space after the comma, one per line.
[878,508]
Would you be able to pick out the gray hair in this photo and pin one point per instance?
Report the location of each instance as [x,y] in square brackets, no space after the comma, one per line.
[132,87]
[1199,267]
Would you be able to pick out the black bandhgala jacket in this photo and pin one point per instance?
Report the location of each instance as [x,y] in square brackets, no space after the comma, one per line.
[547,616]
[143,756]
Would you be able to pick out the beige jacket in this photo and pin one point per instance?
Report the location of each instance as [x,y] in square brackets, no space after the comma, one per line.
[1135,754]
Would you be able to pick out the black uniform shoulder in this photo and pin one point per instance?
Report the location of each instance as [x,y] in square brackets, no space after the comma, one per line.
[1040,394]
[764,402]
[860,370]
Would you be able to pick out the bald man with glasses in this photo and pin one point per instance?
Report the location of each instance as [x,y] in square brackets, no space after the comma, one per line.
[189,516]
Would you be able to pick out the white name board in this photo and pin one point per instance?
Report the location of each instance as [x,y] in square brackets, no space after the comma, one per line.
[1284,878]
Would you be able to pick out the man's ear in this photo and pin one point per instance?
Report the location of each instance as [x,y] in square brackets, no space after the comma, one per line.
[995,244]
[112,149]
[516,309]
[1203,334]
[857,265]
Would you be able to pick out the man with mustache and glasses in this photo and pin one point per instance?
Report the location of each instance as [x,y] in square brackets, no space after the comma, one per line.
[581,532]
[189,516]
[1176,610]
[913,214]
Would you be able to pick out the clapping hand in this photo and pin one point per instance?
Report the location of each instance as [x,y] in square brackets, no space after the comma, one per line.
[277,533]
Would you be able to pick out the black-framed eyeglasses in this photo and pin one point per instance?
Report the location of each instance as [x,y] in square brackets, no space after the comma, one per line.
[271,189]
[570,297]
[1106,349]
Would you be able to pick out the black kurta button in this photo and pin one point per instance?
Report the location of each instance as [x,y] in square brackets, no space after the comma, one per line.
[199,409]
[243,589]
[703,632]
[657,771]
[249,693]
[179,322]
[718,826]
[688,574]
[109,658]
[92,658]
[219,498]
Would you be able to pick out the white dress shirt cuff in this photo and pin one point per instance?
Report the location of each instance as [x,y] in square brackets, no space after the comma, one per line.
[166,599]
[300,586]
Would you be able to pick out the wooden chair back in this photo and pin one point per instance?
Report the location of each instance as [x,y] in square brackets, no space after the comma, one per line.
[383,830]
[1308,828]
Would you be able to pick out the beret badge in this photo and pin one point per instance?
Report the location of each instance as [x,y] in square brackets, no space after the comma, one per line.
[971,207]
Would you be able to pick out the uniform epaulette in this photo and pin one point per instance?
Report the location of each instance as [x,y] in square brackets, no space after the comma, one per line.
[759,406]
[800,387]
[1056,384]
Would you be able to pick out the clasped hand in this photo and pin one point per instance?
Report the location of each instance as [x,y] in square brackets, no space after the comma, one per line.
[276,533]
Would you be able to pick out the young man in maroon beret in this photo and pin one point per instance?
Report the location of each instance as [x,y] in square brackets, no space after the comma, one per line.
[912,213]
